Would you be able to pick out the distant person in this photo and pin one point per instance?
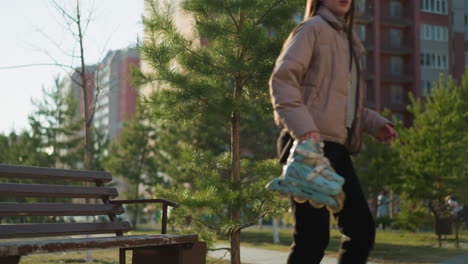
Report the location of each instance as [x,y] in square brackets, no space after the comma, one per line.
[456,208]
[383,209]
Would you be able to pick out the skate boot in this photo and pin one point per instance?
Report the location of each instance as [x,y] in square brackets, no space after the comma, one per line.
[308,176]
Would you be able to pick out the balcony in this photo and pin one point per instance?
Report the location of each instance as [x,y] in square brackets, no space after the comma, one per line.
[364,18]
[395,21]
[397,50]
[369,76]
[397,78]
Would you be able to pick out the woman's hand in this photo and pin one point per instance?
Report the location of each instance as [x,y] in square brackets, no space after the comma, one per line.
[387,133]
[309,135]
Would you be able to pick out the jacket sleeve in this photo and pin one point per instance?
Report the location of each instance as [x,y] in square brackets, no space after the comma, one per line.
[373,122]
[285,82]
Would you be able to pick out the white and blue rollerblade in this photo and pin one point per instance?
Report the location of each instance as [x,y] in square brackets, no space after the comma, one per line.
[308,176]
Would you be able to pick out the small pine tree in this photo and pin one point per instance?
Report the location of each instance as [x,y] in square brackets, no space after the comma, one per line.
[433,150]
[132,158]
[56,127]
[220,74]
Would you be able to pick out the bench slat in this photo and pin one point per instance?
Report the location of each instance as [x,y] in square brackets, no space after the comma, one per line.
[54,209]
[43,190]
[29,172]
[39,230]
[28,247]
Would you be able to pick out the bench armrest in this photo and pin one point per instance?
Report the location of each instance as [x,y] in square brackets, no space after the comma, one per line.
[165,203]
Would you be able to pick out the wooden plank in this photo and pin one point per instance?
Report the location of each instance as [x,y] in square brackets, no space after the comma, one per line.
[29,172]
[55,209]
[43,190]
[139,201]
[43,230]
[29,247]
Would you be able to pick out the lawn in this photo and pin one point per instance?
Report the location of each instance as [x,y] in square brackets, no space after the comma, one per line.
[391,247]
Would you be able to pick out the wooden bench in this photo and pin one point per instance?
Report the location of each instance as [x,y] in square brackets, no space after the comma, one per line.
[53,195]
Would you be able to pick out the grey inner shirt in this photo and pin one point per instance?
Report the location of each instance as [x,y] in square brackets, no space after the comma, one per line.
[351,100]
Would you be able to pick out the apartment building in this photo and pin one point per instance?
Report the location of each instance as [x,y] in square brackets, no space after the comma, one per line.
[409,44]
[111,90]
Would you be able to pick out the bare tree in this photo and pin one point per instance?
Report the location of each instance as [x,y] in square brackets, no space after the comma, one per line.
[87,78]
[77,26]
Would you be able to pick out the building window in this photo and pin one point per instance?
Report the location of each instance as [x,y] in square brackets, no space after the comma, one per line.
[395,37]
[433,32]
[395,9]
[396,94]
[437,33]
[427,32]
[361,31]
[426,88]
[396,65]
[360,6]
[364,62]
[434,6]
[431,60]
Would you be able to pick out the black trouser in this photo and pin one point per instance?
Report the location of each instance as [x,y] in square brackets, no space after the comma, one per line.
[312,226]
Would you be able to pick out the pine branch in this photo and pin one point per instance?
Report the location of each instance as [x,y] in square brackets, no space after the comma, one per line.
[260,21]
[232,16]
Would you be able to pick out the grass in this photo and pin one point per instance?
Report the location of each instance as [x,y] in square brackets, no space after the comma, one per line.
[391,247]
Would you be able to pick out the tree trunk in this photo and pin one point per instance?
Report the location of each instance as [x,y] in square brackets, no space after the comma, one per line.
[86,96]
[236,183]
[87,114]
[235,155]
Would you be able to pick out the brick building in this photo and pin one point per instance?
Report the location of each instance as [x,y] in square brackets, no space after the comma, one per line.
[409,44]
[116,101]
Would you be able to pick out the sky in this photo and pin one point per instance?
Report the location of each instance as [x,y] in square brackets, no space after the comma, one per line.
[34,32]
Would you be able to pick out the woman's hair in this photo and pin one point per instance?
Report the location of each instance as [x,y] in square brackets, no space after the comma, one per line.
[313,6]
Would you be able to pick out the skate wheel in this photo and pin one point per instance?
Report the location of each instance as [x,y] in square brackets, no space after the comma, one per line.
[297,200]
[316,205]
[340,198]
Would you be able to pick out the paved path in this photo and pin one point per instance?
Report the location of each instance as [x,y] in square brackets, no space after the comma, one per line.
[462,259]
[262,256]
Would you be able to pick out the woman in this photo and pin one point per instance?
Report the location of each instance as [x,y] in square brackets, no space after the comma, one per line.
[317,91]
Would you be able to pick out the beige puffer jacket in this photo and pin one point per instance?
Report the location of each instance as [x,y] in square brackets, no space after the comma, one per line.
[309,84]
